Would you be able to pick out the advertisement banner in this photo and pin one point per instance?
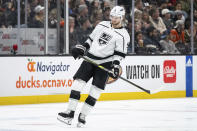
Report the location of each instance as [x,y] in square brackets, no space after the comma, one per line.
[23,76]
[189,76]
[151,73]
[26,76]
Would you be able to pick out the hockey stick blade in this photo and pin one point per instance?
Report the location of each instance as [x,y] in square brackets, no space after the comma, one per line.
[156,90]
[107,70]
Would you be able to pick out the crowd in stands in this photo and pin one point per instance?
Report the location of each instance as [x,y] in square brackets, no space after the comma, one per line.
[34,11]
[161,26]
[164,27]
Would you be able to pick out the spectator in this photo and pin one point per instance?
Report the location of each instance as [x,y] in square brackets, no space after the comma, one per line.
[164,4]
[185,5]
[178,6]
[72,33]
[178,32]
[151,41]
[179,15]
[95,22]
[173,2]
[195,37]
[33,4]
[195,15]
[195,4]
[138,6]
[167,19]
[106,13]
[147,7]
[105,3]
[9,18]
[179,11]
[83,10]
[1,14]
[82,13]
[73,8]
[80,2]
[151,2]
[84,30]
[145,22]
[138,15]
[138,26]
[95,5]
[172,11]
[157,21]
[139,43]
[168,45]
[187,35]
[38,20]
[98,14]
[53,18]
[178,37]
[53,4]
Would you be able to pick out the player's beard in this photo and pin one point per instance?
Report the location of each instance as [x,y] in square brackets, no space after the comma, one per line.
[116,24]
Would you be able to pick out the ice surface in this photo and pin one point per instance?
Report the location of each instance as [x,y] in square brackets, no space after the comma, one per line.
[129,115]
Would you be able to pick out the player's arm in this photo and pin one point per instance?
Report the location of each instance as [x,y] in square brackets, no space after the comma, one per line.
[79,50]
[119,54]
[121,47]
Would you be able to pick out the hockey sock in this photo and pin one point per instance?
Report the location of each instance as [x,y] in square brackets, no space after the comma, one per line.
[88,105]
[75,94]
[73,100]
[91,100]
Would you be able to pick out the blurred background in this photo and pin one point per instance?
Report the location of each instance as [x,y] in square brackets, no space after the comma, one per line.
[53,27]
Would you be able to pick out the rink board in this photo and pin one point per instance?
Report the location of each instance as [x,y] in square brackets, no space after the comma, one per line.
[195,76]
[26,80]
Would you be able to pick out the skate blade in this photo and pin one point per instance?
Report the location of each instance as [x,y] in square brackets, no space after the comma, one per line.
[80,125]
[67,121]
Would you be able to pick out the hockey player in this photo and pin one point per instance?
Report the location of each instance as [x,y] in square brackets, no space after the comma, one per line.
[106,45]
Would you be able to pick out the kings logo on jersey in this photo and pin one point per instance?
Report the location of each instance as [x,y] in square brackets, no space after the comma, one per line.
[104,38]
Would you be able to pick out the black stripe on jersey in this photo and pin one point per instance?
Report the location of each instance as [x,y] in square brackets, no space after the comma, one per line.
[122,38]
[119,53]
[96,57]
[104,25]
[90,39]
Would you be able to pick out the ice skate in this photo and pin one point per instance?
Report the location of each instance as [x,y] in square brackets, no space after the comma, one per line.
[66,117]
[81,120]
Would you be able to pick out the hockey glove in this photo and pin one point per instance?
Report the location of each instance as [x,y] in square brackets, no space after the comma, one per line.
[116,70]
[78,51]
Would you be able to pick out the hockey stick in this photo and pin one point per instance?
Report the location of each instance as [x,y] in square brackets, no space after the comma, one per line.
[107,70]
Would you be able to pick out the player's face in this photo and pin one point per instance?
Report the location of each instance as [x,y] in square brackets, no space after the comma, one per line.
[115,20]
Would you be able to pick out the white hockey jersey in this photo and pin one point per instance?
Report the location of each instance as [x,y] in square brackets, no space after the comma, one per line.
[107,44]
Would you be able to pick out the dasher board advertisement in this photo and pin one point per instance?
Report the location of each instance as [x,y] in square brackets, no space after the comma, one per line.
[26,76]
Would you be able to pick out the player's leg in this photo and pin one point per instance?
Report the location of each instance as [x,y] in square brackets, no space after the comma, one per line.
[68,115]
[100,78]
[89,103]
[83,74]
